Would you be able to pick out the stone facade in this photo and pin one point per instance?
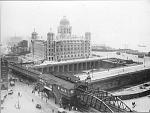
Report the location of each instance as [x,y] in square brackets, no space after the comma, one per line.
[39,49]
[65,46]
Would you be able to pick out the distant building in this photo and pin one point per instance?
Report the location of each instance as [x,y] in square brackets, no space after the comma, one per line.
[39,49]
[4,74]
[14,41]
[101,47]
[33,38]
[65,46]
[20,48]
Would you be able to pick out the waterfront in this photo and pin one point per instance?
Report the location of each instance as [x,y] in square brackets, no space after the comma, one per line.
[145,60]
[142,103]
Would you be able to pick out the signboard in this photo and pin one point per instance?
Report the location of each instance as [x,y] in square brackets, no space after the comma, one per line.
[4,74]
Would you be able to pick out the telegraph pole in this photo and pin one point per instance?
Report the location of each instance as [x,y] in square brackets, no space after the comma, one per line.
[0,54]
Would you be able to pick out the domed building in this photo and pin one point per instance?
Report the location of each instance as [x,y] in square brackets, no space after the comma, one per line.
[65,46]
[64,21]
[64,28]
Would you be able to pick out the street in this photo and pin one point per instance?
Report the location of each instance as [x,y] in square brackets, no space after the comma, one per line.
[23,104]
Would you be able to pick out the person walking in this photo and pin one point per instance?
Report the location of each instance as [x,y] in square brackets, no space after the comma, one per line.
[133,104]
[52,110]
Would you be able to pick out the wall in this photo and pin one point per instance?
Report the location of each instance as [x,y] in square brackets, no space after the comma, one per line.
[120,81]
[135,95]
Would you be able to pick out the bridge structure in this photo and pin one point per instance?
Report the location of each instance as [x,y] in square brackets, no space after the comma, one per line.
[100,100]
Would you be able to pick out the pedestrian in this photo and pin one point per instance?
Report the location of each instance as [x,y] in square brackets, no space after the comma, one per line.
[72,108]
[133,104]
[32,100]
[52,110]
[19,94]
[76,109]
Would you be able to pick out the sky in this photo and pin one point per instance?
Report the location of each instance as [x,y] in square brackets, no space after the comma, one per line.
[119,24]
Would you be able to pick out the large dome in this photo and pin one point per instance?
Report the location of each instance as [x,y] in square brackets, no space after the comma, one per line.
[64,21]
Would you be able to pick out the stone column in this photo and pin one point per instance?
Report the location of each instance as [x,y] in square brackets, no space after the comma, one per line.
[63,68]
[52,68]
[86,66]
[77,67]
[72,67]
[82,66]
[90,64]
[42,70]
[58,69]
[47,71]
[68,67]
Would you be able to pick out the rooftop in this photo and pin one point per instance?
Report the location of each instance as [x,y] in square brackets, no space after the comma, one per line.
[55,80]
[47,63]
[64,21]
[96,76]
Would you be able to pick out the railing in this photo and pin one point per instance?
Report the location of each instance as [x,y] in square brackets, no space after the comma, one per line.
[102,101]
[93,101]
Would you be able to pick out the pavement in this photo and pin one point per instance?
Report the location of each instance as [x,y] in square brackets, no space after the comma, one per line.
[141,104]
[132,90]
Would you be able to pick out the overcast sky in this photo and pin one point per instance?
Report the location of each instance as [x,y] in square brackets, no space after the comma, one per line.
[115,23]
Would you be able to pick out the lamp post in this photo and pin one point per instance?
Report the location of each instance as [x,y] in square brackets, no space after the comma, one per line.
[144,60]
[0,77]
[143,46]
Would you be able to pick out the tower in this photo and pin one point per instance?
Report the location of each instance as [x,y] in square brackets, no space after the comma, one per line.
[50,46]
[87,44]
[64,28]
[34,36]
[88,36]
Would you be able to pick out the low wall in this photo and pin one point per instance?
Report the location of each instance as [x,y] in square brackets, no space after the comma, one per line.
[135,95]
[123,80]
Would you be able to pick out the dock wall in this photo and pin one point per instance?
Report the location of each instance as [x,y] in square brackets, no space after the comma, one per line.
[134,95]
[122,80]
